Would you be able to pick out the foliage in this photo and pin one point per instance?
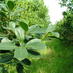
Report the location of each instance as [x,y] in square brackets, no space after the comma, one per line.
[65,26]
[23,33]
[68,4]
[16,41]
[33,11]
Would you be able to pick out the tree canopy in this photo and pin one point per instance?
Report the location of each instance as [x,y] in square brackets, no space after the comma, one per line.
[65,26]
[34,12]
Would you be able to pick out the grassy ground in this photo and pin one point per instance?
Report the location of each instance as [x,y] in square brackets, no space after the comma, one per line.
[58,60]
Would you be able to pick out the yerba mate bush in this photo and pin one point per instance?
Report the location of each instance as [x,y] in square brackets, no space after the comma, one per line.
[18,40]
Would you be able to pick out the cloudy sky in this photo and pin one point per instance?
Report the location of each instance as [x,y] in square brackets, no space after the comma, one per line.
[55,11]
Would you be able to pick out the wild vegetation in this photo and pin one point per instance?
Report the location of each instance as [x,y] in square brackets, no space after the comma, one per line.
[29,43]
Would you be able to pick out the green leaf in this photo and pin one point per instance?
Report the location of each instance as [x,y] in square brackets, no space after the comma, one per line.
[3,7]
[24,25]
[10,5]
[20,53]
[19,32]
[7,46]
[35,44]
[56,34]
[5,40]
[36,29]
[6,57]
[50,28]
[12,25]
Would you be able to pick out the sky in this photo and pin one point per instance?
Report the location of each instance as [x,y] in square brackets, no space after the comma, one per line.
[55,11]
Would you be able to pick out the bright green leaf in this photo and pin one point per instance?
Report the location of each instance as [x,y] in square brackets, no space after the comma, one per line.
[50,28]
[35,44]
[20,53]
[7,46]
[19,32]
[56,34]
[12,25]
[5,40]
[36,29]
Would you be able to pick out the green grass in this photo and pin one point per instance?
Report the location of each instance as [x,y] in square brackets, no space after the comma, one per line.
[59,60]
